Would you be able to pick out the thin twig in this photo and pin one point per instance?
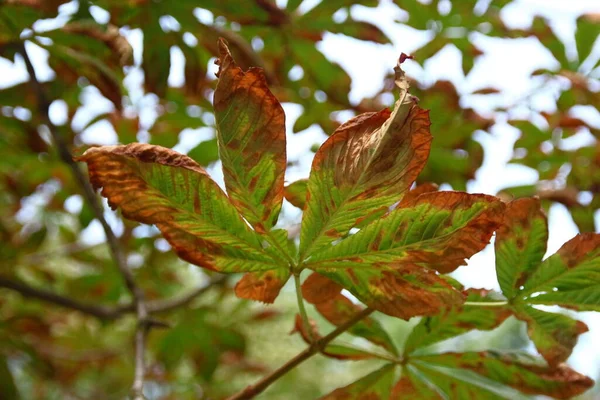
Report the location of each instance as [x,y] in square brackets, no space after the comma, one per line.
[316,347]
[107,313]
[90,195]
[100,312]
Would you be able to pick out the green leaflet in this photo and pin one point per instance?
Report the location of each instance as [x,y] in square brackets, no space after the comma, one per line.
[451,384]
[586,35]
[364,167]
[375,386]
[517,371]
[251,133]
[437,230]
[570,277]
[155,185]
[554,335]
[389,264]
[520,244]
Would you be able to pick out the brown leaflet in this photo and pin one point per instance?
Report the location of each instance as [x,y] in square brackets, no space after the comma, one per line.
[155,185]
[417,191]
[251,132]
[411,291]
[262,285]
[579,248]
[318,288]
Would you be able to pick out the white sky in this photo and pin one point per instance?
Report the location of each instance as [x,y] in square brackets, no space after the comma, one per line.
[506,65]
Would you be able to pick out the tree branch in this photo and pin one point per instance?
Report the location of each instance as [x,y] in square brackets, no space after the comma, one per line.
[104,313]
[90,195]
[316,347]
[107,313]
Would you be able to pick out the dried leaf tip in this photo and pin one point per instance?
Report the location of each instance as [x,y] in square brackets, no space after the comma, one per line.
[401,80]
[225,57]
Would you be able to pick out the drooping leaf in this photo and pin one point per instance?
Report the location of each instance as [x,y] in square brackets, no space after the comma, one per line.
[327,298]
[554,335]
[365,166]
[251,133]
[155,185]
[70,64]
[519,372]
[156,62]
[375,386]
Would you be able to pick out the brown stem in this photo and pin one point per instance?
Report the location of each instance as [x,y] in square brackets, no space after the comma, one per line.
[90,195]
[316,347]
